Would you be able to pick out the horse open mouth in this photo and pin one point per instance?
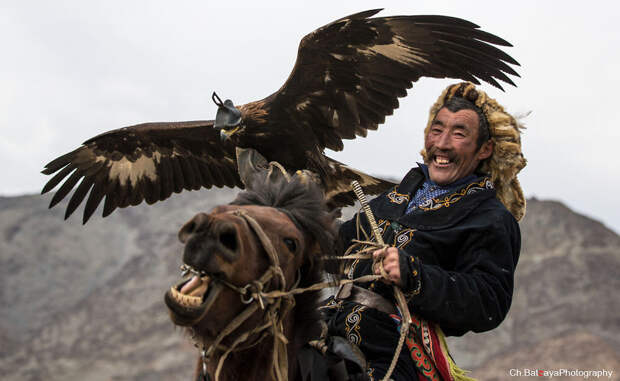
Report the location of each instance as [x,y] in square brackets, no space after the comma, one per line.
[191,298]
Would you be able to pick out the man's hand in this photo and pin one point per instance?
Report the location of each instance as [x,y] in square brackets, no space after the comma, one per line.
[390,264]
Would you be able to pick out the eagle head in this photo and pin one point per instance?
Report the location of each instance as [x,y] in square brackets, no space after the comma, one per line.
[228,118]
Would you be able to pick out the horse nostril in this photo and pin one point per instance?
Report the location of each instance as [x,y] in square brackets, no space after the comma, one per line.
[190,227]
[195,225]
[229,239]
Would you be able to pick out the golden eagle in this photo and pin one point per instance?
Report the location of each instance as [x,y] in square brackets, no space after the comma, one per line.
[348,76]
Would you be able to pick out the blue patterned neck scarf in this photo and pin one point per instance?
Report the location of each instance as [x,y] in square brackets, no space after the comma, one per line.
[430,189]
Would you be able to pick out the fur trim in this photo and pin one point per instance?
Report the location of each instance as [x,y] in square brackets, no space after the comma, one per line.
[507,159]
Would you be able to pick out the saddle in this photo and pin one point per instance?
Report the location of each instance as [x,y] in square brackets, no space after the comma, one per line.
[333,358]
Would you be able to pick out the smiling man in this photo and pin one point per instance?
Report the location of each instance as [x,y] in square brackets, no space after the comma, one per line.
[457,142]
[451,225]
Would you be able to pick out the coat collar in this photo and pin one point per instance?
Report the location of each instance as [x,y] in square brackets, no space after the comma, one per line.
[450,209]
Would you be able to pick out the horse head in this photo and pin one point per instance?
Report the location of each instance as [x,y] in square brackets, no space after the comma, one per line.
[271,237]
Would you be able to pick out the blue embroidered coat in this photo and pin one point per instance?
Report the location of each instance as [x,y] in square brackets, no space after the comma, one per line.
[458,254]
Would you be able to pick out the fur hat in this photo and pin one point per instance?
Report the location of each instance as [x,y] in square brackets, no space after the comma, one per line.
[507,159]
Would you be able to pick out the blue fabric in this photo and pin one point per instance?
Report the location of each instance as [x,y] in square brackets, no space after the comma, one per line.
[430,189]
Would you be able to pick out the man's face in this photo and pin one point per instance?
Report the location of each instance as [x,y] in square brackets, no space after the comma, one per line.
[451,146]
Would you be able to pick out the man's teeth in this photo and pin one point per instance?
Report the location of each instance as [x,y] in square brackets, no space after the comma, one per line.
[441,160]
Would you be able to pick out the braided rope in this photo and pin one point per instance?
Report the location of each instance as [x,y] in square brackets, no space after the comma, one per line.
[283,301]
[398,293]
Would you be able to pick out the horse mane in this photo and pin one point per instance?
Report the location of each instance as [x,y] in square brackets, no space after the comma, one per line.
[304,203]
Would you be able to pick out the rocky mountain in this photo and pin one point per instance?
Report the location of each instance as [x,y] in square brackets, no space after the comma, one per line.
[86,302]
[565,310]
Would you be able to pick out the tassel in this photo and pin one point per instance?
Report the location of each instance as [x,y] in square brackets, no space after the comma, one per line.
[456,373]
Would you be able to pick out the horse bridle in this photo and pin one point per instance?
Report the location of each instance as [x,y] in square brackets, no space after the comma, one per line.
[276,304]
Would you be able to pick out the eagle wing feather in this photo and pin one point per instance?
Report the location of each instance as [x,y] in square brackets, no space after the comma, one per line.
[350,73]
[338,190]
[348,76]
[145,162]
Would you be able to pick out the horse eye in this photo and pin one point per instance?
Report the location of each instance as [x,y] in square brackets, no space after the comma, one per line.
[290,244]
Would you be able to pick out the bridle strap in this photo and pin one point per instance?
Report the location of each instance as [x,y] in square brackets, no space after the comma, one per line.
[280,358]
[275,311]
[234,324]
[266,242]
[262,236]
[279,303]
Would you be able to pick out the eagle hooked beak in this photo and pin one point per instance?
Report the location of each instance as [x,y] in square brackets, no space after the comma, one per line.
[228,117]
[226,134]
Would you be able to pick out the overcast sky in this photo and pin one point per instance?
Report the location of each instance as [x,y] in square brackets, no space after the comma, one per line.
[73,69]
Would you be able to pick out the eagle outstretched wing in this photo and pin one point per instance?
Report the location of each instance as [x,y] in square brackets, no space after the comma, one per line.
[348,76]
[349,73]
[143,162]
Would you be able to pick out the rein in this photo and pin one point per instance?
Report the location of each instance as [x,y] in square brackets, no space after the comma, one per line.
[401,301]
[276,308]
[276,304]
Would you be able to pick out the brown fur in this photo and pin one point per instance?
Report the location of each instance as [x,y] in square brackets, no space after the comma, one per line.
[284,210]
[507,159]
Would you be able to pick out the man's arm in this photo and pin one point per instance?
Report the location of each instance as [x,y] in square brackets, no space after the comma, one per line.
[476,295]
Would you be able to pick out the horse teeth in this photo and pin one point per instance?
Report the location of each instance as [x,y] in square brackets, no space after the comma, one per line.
[192,290]
[186,300]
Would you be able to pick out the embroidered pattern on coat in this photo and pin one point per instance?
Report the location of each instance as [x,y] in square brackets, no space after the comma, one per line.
[370,373]
[423,361]
[403,238]
[352,324]
[418,281]
[383,225]
[440,202]
[397,198]
[349,269]
[332,303]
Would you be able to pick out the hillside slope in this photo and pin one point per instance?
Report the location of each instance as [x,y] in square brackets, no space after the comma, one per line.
[86,302]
